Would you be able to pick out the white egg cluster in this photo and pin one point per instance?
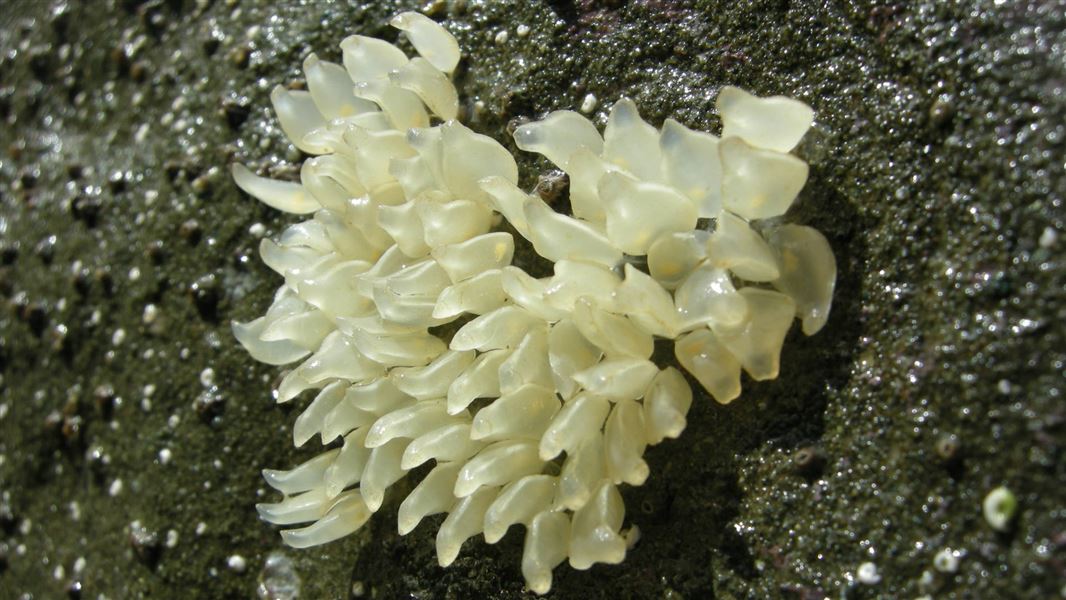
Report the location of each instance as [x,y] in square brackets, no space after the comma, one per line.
[545,398]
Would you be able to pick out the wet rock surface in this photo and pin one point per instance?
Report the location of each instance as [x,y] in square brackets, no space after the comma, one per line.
[133,427]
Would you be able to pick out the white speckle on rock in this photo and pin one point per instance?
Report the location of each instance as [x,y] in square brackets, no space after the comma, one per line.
[522,30]
[142,133]
[151,312]
[501,36]
[118,337]
[201,528]
[172,538]
[589,103]
[1049,237]
[115,489]
[257,230]
[1004,387]
[207,377]
[237,563]
[868,574]
[164,456]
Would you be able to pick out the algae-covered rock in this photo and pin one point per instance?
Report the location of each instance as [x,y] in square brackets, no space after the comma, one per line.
[133,428]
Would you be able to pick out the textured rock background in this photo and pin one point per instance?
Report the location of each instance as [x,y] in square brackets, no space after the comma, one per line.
[127,469]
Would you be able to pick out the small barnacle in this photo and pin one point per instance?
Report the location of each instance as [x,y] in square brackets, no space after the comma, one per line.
[104,399]
[999,508]
[809,461]
[145,543]
[949,450]
[552,186]
[947,560]
[205,295]
[535,407]
[190,231]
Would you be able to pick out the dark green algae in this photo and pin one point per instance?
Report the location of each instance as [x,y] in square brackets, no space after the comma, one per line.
[936,174]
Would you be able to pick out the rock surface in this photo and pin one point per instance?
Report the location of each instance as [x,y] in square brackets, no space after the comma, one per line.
[133,427]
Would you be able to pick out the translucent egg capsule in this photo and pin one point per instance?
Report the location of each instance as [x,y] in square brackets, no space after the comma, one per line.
[299,118]
[558,136]
[710,363]
[808,272]
[285,196]
[624,442]
[367,58]
[522,414]
[347,468]
[470,158]
[332,90]
[474,256]
[382,470]
[757,183]
[568,353]
[618,379]
[545,547]
[431,86]
[498,464]
[631,143]
[519,502]
[638,213]
[594,536]
[585,467]
[478,295]
[410,422]
[465,519]
[306,476]
[578,420]
[666,404]
[691,165]
[734,245]
[432,41]
[558,237]
[347,514]
[672,257]
[776,123]
[431,496]
[449,443]
[757,344]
